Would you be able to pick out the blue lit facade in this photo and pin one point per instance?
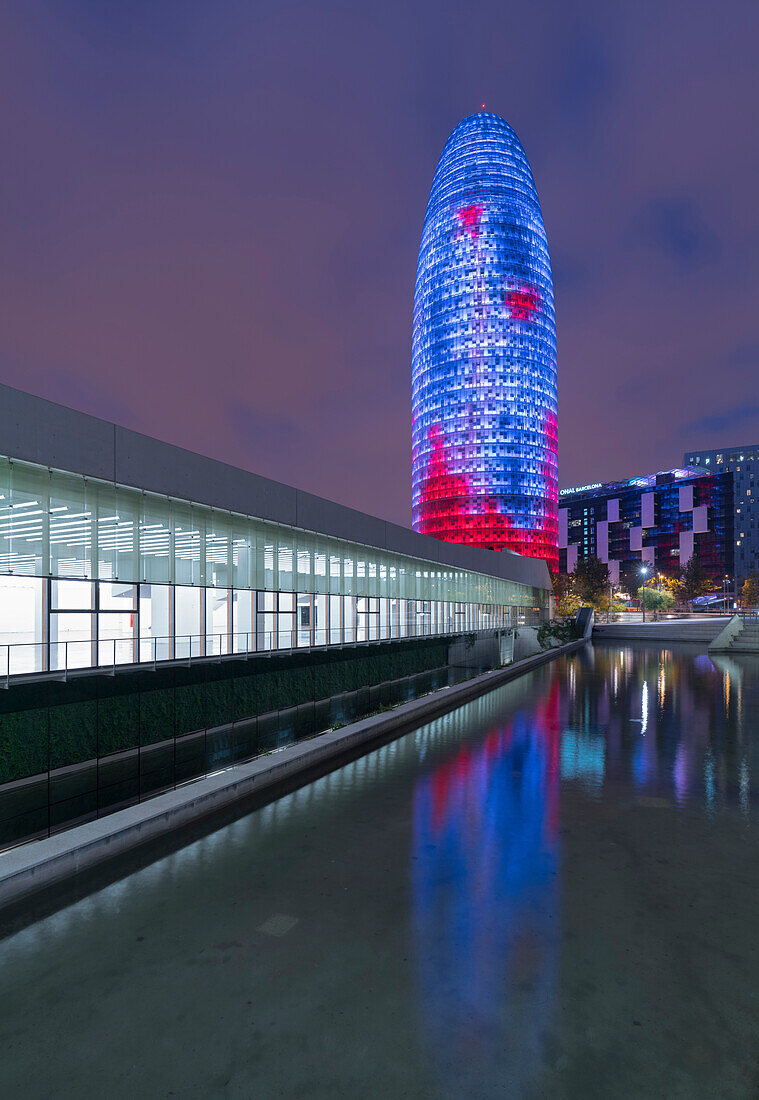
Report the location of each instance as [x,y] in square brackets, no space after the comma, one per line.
[743,464]
[484,397]
[659,520]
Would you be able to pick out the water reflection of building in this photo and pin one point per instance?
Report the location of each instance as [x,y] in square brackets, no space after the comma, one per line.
[485,913]
[666,722]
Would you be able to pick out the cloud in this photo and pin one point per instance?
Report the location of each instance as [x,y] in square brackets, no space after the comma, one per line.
[726,420]
[673,227]
[744,357]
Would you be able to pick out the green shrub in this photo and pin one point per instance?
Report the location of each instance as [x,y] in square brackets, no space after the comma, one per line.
[23,744]
[557,632]
[656,599]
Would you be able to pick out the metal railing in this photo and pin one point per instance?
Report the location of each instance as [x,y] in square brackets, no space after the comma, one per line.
[107,654]
[634,614]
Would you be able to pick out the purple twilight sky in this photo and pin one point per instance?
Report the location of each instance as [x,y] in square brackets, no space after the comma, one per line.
[211,213]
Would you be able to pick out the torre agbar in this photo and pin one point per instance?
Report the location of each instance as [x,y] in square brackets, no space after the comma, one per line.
[484,352]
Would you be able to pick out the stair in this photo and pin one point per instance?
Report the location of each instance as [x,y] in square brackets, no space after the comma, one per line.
[748,639]
[743,640]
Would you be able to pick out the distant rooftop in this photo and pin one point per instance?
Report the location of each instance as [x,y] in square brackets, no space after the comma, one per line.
[648,481]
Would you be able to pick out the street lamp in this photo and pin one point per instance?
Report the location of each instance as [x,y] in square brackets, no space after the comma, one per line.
[644,574]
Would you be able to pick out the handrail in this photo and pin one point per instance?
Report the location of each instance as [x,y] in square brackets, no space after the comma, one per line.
[62,657]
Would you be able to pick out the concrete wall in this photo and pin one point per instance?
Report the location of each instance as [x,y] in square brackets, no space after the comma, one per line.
[48,434]
[665,630]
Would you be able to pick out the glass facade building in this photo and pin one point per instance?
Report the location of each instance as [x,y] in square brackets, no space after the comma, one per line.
[659,520]
[743,464]
[484,395]
[93,572]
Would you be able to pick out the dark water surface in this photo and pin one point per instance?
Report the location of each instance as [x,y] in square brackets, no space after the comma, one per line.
[552,891]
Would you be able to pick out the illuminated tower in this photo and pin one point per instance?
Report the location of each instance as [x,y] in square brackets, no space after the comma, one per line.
[484,351]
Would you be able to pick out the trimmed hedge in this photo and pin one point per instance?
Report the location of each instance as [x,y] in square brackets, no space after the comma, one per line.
[49,724]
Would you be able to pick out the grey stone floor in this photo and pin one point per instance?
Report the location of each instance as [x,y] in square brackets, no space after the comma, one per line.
[552,891]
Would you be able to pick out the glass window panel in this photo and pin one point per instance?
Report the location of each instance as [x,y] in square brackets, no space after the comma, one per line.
[114,596]
[268,550]
[320,564]
[348,585]
[5,481]
[155,540]
[243,552]
[156,636]
[384,621]
[394,613]
[22,625]
[304,565]
[217,620]
[284,563]
[303,620]
[70,526]
[285,620]
[22,521]
[71,639]
[335,620]
[186,544]
[320,620]
[218,536]
[72,595]
[117,519]
[117,640]
[362,624]
[349,619]
[266,620]
[187,611]
[242,621]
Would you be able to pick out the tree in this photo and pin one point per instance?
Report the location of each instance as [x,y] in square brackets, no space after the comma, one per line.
[750,592]
[694,582]
[656,599]
[567,602]
[562,585]
[591,580]
[671,582]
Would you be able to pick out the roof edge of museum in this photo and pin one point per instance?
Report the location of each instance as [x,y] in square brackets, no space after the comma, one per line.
[35,430]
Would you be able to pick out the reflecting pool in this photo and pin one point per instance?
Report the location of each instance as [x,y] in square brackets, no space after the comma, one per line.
[551,891]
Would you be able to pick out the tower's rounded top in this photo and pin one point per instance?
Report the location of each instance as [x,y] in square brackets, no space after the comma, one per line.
[483,151]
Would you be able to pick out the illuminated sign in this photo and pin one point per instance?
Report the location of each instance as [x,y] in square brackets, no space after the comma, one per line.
[580,489]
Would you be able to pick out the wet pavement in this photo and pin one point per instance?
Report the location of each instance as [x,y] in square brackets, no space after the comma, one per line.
[552,891]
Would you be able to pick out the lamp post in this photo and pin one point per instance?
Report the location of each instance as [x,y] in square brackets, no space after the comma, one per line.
[644,574]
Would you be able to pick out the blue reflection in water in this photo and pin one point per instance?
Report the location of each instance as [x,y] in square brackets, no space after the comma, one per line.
[485,904]
[675,726]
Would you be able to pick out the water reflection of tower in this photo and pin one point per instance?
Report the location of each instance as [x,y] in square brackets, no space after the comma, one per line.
[485,904]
